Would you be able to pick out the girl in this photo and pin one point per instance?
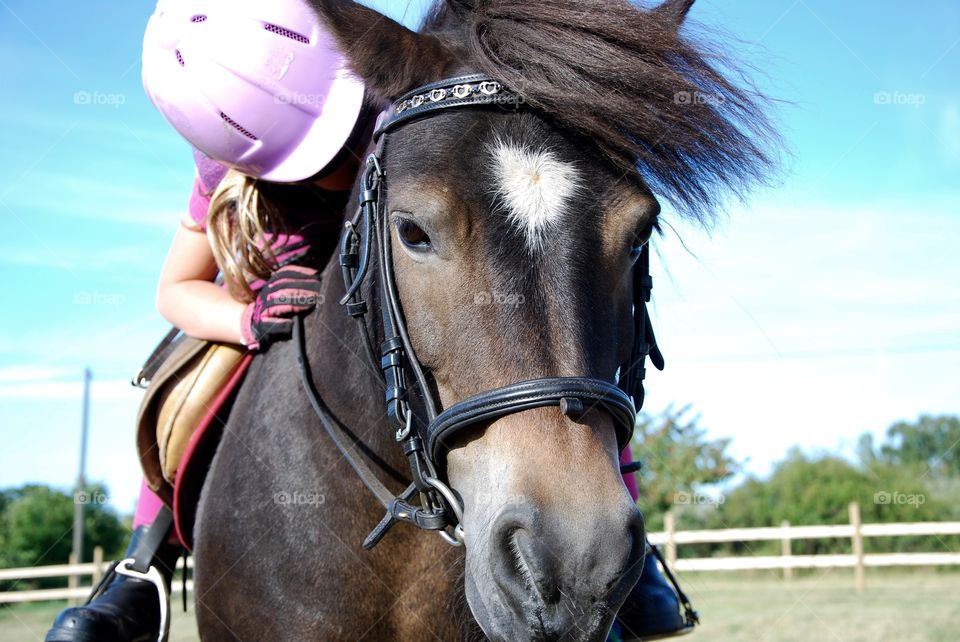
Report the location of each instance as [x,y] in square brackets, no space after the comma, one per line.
[261,90]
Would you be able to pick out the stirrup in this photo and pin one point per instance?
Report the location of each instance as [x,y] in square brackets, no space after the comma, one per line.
[125,567]
[140,565]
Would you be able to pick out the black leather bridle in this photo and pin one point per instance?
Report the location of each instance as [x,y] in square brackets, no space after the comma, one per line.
[425,436]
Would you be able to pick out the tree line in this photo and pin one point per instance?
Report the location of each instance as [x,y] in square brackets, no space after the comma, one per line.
[911,475]
[36,528]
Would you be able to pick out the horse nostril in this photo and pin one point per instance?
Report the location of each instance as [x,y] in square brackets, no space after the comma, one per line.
[511,549]
[535,565]
[520,563]
[623,581]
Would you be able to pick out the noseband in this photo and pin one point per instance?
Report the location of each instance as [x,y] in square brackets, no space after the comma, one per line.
[426,435]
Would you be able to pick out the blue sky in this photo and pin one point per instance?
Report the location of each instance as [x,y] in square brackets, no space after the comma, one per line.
[827,306]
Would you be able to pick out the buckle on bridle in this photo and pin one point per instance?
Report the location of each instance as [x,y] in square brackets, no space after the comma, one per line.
[433,519]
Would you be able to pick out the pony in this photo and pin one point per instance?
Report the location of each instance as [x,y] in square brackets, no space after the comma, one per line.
[515,233]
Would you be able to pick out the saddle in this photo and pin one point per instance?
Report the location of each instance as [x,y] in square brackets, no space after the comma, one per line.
[190,385]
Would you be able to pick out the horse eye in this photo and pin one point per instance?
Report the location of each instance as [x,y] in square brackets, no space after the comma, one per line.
[642,238]
[639,242]
[413,235]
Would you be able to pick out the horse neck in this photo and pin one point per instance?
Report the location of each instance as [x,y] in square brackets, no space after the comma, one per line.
[346,378]
[351,386]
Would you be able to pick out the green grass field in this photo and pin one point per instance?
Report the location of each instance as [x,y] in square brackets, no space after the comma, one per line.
[902,606]
[29,622]
[823,605]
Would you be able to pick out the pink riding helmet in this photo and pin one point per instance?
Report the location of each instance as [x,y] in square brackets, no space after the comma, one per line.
[257,85]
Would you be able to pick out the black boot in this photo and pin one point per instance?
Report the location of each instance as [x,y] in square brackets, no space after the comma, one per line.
[652,610]
[127,610]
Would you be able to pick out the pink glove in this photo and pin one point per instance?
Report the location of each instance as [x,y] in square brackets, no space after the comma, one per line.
[290,291]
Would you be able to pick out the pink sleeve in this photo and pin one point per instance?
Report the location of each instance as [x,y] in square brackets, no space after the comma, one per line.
[209,175]
[199,204]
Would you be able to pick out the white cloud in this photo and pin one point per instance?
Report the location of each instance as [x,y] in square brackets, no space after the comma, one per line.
[843,292]
[31,374]
[164,219]
[114,350]
[126,258]
[99,199]
[113,131]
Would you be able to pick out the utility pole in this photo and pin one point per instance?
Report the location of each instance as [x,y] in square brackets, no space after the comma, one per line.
[79,496]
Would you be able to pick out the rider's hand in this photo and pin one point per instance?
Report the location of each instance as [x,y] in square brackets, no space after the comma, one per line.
[291,290]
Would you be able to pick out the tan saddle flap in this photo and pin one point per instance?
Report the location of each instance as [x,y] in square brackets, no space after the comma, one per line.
[177,400]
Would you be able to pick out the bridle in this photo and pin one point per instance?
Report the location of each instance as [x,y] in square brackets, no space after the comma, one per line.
[425,436]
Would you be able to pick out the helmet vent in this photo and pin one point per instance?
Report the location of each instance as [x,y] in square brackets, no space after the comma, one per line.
[180,58]
[286,33]
[237,126]
[200,18]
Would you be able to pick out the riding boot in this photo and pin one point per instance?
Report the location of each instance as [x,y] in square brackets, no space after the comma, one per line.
[652,610]
[127,610]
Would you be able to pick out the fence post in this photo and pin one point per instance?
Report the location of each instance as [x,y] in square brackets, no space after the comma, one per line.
[72,580]
[97,564]
[786,551]
[857,523]
[670,526]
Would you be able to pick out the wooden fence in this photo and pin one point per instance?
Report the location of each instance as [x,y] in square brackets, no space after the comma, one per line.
[669,540]
[73,572]
[855,531]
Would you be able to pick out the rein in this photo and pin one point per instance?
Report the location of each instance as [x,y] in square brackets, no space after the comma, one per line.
[425,441]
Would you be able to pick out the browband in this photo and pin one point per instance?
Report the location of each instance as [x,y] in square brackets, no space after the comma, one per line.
[474,90]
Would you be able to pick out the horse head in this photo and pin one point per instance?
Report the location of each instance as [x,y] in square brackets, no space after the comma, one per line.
[515,230]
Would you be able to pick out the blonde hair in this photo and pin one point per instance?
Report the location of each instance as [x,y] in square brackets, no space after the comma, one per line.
[239,219]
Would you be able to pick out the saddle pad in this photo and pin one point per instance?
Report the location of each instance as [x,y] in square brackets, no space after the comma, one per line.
[199,452]
[178,400]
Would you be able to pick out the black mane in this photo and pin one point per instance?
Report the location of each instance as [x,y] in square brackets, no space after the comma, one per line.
[650,97]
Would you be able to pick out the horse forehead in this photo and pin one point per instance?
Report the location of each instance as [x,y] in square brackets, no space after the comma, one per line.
[534,185]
